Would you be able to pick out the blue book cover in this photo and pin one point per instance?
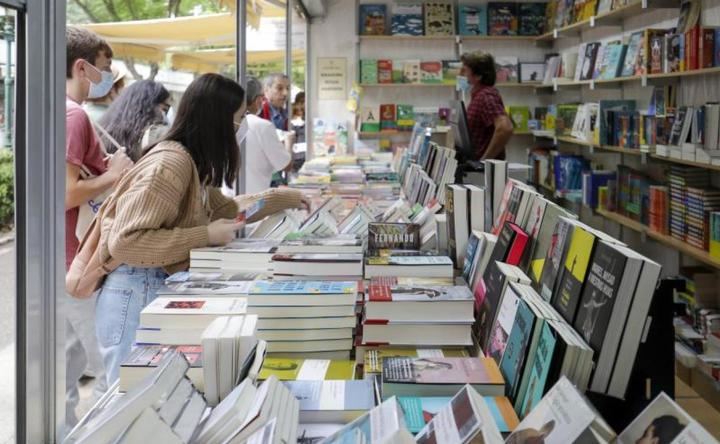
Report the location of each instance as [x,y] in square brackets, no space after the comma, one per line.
[334,395]
[469,256]
[539,372]
[303,287]
[611,61]
[372,19]
[407,20]
[604,116]
[716,56]
[472,19]
[419,411]
[513,360]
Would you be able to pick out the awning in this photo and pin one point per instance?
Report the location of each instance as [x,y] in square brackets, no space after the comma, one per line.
[213,60]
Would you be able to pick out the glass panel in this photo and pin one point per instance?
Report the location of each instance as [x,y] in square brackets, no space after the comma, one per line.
[7,231]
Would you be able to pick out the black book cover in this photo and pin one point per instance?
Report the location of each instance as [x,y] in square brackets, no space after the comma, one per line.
[494,281]
[450,213]
[556,363]
[588,68]
[532,18]
[598,298]
[502,247]
[574,272]
[393,236]
[554,258]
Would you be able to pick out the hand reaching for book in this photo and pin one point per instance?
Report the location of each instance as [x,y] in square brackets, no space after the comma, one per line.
[222,231]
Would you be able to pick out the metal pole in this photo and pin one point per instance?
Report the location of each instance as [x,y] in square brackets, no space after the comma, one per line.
[240,72]
[288,52]
[9,36]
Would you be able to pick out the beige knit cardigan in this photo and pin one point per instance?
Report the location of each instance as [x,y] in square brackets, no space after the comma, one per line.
[161,211]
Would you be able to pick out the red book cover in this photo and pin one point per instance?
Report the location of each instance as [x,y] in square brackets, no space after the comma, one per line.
[384,71]
[517,248]
[692,48]
[707,48]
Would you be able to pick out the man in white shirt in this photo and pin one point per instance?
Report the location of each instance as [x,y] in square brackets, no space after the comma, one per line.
[264,152]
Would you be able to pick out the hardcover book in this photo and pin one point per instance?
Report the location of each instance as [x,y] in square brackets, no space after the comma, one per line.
[502,18]
[439,18]
[384,71]
[472,19]
[506,69]
[368,72]
[393,236]
[407,20]
[532,18]
[372,19]
[370,120]
[388,117]
[431,72]
[451,70]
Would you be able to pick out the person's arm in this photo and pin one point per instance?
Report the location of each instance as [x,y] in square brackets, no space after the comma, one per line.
[79,191]
[274,200]
[500,138]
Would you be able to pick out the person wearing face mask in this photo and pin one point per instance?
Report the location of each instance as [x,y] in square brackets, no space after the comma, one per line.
[170,203]
[97,107]
[139,113]
[264,153]
[88,76]
[489,125]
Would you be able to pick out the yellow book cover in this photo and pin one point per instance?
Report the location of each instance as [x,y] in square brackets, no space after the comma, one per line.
[537,268]
[374,357]
[307,369]
[504,407]
[576,264]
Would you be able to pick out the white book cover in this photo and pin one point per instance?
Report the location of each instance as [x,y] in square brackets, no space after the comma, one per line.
[383,424]
[196,306]
[207,288]
[664,421]
[561,417]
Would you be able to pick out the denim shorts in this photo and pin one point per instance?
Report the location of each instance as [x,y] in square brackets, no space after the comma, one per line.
[124,294]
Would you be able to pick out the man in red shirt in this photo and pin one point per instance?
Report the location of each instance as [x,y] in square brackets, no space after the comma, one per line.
[489,125]
[88,76]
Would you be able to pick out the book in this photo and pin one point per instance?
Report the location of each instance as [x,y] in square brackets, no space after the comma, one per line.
[143,359]
[503,324]
[451,70]
[369,72]
[318,264]
[520,115]
[707,48]
[190,312]
[563,416]
[418,333]
[512,362]
[419,411]
[663,419]
[465,418]
[388,117]
[418,302]
[383,424]
[439,376]
[502,18]
[372,19]
[411,71]
[407,20]
[439,18]
[431,72]
[286,369]
[472,19]
[539,371]
[555,256]
[506,69]
[405,119]
[531,18]
[395,236]
[333,401]
[632,54]
[334,244]
[408,266]
[370,120]
[456,208]
[545,240]
[714,234]
[372,357]
[574,272]
[384,73]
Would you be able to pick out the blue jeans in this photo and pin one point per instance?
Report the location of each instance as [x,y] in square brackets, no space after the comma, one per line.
[126,291]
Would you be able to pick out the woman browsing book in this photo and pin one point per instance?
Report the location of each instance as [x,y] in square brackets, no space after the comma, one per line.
[169,203]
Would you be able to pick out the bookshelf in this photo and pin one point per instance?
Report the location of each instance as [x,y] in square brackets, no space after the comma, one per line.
[696,253]
[383,134]
[445,85]
[448,38]
[559,83]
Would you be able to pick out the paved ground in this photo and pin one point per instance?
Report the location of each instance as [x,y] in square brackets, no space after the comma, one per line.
[7,343]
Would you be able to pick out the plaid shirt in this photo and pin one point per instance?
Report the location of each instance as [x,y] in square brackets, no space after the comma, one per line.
[485,106]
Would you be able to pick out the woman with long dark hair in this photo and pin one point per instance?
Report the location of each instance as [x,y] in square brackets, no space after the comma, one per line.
[139,107]
[169,203]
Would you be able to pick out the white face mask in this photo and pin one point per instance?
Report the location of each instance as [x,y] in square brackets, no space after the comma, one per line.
[98,90]
[462,84]
[242,131]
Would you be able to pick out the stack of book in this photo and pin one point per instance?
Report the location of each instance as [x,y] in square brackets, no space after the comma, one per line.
[659,209]
[700,203]
[339,266]
[679,178]
[247,255]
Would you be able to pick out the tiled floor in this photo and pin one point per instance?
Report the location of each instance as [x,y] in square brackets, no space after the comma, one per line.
[697,407]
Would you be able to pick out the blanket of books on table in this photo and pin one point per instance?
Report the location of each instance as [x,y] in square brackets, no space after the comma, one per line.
[360,335]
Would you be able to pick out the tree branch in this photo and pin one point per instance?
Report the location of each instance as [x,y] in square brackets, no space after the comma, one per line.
[130,64]
[131,10]
[111,10]
[154,69]
[86,9]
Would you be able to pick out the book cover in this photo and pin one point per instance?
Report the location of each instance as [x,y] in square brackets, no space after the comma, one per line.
[333,395]
[470,251]
[504,322]
[384,71]
[388,117]
[431,72]
[589,60]
[395,236]
[206,288]
[384,423]
[562,416]
[631,55]
[707,48]
[439,18]
[286,369]
[502,18]
[716,53]
[318,257]
[531,18]
[195,305]
[411,71]
[539,372]
[599,294]
[513,360]
[302,287]
[445,371]
[715,234]
[405,118]
[409,260]
[506,69]
[663,420]
[407,20]
[451,70]
[370,120]
[520,116]
[419,293]
[574,273]
[372,19]
[673,54]
[657,48]
[419,411]
[151,355]
[472,19]
[368,72]
[373,357]
[554,256]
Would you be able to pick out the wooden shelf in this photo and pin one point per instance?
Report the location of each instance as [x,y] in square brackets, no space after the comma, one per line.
[668,159]
[498,37]
[406,85]
[610,148]
[696,253]
[563,83]
[694,72]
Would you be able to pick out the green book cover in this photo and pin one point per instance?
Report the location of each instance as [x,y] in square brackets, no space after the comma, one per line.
[368,72]
[405,117]
[520,115]
[307,369]
[451,71]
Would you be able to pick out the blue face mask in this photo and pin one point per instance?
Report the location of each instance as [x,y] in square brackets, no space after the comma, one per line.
[462,84]
[98,90]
